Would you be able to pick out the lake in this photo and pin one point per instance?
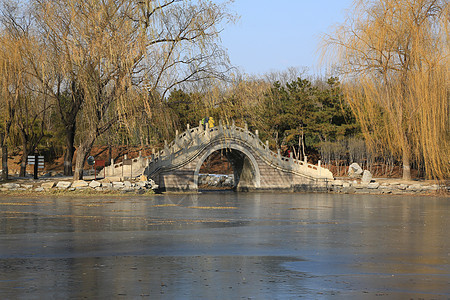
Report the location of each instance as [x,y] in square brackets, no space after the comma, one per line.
[225,245]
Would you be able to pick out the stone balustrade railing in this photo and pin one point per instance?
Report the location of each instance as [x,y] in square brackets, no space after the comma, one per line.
[135,167]
[187,145]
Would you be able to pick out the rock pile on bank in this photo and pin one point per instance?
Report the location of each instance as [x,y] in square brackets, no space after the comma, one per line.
[383,187]
[216,180]
[364,185]
[139,185]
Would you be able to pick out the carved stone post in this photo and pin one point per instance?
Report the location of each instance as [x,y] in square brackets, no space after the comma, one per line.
[255,141]
[245,131]
[166,148]
[177,140]
[220,127]
[111,168]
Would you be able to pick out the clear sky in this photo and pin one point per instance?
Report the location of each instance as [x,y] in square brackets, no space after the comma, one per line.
[273,35]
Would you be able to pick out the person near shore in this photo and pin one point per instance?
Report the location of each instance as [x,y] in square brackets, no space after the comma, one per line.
[211,122]
[205,122]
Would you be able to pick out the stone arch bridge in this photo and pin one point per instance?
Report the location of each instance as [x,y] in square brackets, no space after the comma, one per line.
[256,167]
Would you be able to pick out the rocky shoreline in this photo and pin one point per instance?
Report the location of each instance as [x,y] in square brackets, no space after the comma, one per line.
[140,185]
[387,186]
[143,185]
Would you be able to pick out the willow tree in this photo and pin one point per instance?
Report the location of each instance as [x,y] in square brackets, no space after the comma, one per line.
[17,108]
[110,55]
[11,83]
[31,106]
[393,56]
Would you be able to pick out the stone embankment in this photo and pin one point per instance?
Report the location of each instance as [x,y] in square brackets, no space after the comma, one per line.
[361,181]
[385,186]
[139,185]
[143,185]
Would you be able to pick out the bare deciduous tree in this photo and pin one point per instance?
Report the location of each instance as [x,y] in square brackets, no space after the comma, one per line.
[106,53]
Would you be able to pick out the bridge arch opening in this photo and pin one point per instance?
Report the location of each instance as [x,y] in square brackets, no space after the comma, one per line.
[244,167]
[216,172]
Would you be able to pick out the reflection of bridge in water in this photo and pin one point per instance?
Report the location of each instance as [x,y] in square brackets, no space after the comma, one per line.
[256,167]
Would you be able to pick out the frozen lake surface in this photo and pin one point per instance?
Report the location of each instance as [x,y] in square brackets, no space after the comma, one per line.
[225,246]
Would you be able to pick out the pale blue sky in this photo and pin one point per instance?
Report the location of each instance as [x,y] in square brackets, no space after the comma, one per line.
[273,35]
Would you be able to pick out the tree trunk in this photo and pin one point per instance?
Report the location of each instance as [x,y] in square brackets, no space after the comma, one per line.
[70,150]
[26,151]
[303,144]
[296,153]
[406,164]
[82,154]
[23,164]
[4,157]
[108,163]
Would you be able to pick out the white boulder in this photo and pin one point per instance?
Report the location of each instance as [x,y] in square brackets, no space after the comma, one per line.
[355,170]
[48,185]
[79,184]
[63,184]
[366,177]
[94,184]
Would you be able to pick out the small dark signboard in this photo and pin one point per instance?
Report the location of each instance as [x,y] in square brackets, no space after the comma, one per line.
[37,161]
[100,163]
[127,162]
